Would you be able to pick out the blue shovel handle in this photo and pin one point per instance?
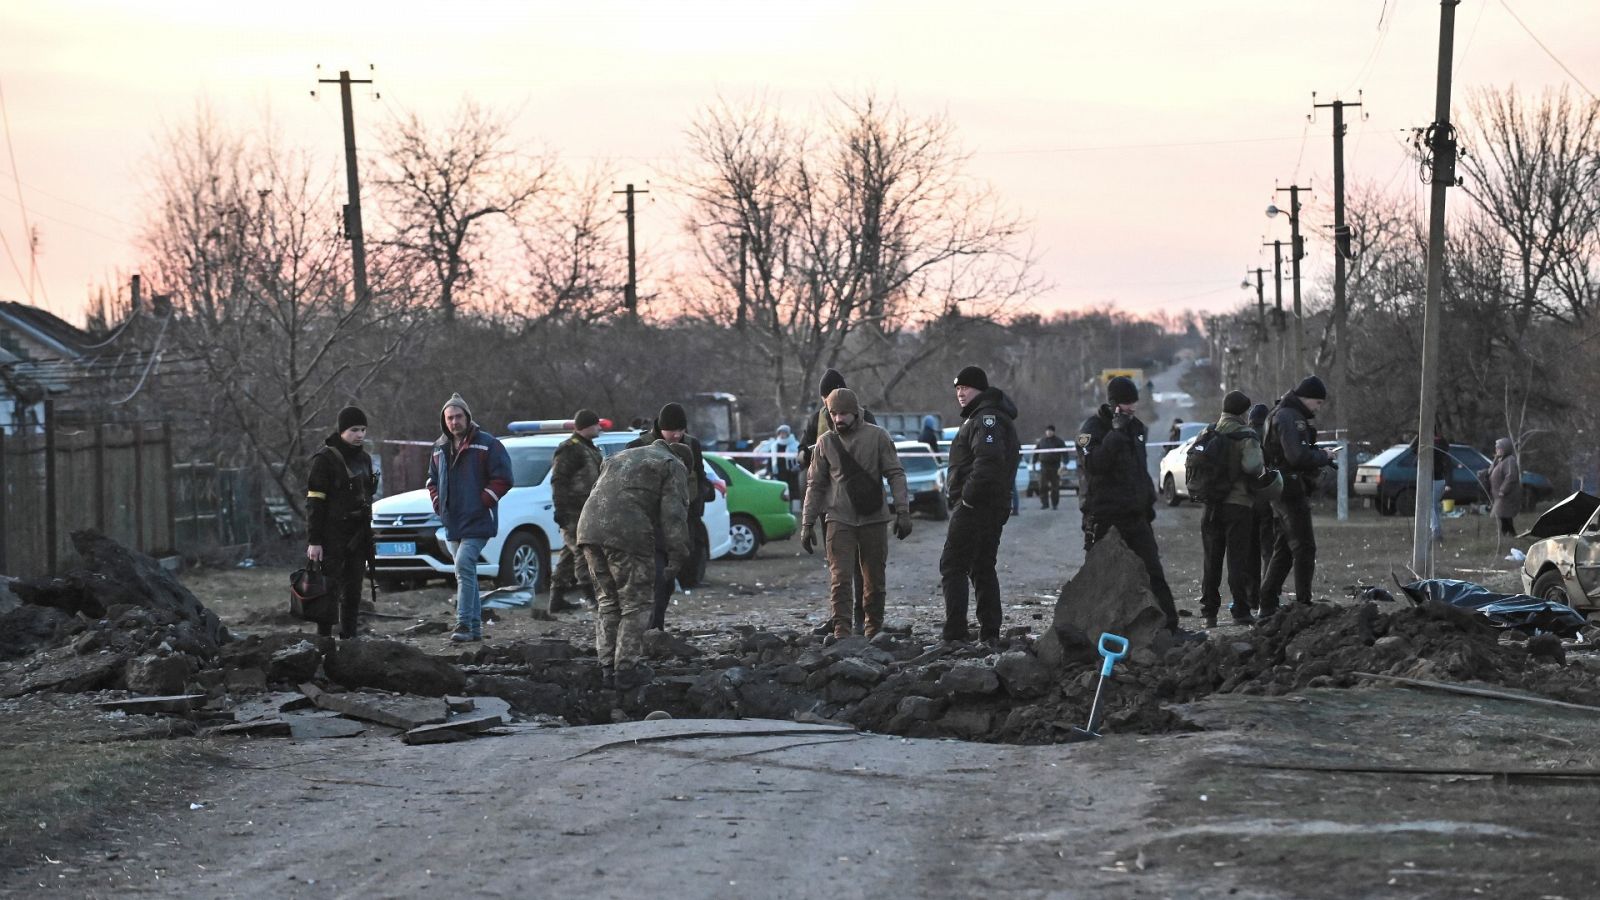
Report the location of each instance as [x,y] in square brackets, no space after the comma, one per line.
[1112,647]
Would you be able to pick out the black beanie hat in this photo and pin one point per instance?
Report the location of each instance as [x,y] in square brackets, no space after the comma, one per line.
[351,417]
[583,418]
[1258,415]
[1311,388]
[973,377]
[672,418]
[831,381]
[1236,403]
[1121,389]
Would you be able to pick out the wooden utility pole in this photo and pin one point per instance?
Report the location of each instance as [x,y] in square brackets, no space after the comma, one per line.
[1297,251]
[630,292]
[1438,142]
[1277,312]
[352,210]
[1341,307]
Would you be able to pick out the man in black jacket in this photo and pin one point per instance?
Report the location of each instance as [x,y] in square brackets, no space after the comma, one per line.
[1050,467]
[1291,447]
[339,492]
[983,471]
[1114,484]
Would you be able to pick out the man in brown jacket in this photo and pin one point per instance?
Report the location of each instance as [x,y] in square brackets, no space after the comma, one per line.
[845,486]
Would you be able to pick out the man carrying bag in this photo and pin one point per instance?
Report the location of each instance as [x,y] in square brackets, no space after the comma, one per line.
[845,486]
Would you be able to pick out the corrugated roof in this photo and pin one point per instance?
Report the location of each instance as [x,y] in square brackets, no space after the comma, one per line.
[45,327]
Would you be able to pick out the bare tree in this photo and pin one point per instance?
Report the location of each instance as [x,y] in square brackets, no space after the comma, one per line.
[452,197]
[241,238]
[831,249]
[1535,174]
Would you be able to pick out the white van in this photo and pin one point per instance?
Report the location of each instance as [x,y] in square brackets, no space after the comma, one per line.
[409,539]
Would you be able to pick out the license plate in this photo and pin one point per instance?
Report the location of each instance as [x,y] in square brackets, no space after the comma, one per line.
[397,548]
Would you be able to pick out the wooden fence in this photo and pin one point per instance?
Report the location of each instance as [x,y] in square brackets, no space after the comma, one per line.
[115,478]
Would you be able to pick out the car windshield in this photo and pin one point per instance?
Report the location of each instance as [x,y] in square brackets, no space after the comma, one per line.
[918,464]
[529,465]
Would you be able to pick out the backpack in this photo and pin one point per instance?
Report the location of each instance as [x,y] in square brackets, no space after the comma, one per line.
[1209,467]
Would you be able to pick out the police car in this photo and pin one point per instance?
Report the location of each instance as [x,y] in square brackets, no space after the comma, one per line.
[409,538]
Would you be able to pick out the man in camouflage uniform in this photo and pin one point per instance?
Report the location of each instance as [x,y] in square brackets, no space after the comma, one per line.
[572,476]
[642,492]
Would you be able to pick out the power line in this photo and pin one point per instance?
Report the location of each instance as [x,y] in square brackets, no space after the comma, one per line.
[1547,51]
[27,227]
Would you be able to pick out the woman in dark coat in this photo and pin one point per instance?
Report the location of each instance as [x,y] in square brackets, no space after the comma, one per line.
[1505,485]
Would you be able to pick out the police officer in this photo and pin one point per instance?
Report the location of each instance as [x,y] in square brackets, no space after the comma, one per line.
[1291,446]
[1115,487]
[639,507]
[1050,467]
[573,472]
[982,475]
[339,491]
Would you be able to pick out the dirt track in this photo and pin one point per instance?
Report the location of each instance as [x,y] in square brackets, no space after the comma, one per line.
[827,815]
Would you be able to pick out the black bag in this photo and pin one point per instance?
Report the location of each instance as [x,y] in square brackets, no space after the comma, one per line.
[311,598]
[864,491]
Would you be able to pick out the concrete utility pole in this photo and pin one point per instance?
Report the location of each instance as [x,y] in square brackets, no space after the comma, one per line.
[1297,251]
[1341,308]
[352,210]
[1439,141]
[630,293]
[1262,335]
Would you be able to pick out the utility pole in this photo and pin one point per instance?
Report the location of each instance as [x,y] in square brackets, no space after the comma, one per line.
[1277,312]
[1341,308]
[1297,250]
[352,210]
[1439,141]
[630,293]
[1261,320]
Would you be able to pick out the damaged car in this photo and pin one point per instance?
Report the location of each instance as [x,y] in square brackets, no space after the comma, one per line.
[1564,565]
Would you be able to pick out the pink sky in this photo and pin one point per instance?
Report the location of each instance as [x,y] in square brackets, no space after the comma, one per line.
[1143,140]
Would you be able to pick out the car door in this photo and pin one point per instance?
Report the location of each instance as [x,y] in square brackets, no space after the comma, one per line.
[1586,556]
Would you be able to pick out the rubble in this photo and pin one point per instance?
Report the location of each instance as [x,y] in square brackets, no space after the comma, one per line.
[1022,689]
[393,666]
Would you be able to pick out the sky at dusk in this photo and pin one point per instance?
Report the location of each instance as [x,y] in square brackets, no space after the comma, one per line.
[1143,141]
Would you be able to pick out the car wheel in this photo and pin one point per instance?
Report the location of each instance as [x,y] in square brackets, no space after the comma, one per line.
[1404,502]
[1169,490]
[695,571]
[1550,586]
[1384,505]
[525,563]
[746,536]
[394,584]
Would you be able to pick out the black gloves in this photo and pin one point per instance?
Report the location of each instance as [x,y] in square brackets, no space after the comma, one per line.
[902,526]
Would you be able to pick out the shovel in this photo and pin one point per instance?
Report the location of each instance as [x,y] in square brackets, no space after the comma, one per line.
[1112,648]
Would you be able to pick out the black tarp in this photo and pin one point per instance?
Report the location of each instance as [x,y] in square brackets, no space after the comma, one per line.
[1501,610]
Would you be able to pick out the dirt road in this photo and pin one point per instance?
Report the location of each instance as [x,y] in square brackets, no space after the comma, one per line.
[587,811]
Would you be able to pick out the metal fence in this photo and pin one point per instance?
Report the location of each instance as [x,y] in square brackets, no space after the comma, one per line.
[113,477]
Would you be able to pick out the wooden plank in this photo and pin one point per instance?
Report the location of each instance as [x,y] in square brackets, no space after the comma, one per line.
[50,512]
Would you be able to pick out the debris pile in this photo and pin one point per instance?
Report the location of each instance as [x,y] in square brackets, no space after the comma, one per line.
[129,628]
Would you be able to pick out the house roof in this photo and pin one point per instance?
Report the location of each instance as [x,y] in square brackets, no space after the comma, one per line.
[43,327]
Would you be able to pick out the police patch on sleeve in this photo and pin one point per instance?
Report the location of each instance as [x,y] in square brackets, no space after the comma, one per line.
[988,421]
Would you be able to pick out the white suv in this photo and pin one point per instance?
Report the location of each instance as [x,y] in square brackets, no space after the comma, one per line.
[410,542]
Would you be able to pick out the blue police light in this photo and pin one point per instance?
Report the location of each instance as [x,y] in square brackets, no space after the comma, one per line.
[548,426]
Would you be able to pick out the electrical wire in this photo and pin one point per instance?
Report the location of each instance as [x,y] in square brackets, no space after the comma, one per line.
[1384,22]
[1547,51]
[27,227]
[155,360]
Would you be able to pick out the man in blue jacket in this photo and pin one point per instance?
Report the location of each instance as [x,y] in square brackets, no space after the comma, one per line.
[468,473]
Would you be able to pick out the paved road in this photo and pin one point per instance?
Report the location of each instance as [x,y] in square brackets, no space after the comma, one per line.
[575,813]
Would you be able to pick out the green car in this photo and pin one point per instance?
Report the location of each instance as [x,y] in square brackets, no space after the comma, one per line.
[758,508]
